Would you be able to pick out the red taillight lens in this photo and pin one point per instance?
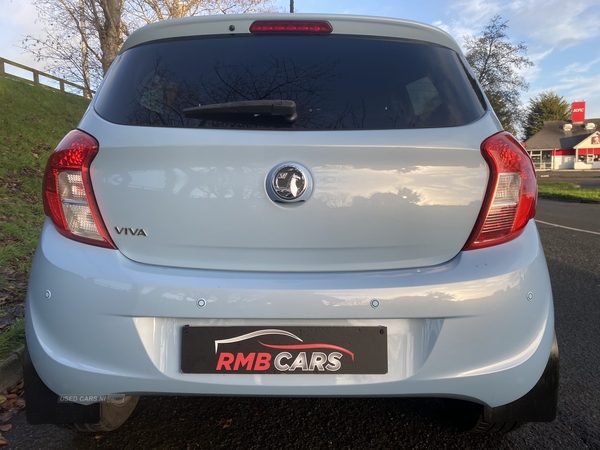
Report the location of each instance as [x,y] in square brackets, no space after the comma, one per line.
[511,196]
[68,195]
[291,26]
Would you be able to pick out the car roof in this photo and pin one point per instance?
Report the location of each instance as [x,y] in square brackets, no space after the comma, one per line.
[342,25]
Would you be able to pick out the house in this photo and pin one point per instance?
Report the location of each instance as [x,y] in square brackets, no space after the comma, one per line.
[563,144]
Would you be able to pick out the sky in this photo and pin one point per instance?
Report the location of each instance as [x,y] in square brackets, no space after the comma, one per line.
[562,36]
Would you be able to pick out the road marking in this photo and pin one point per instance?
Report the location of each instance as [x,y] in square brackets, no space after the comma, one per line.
[566,228]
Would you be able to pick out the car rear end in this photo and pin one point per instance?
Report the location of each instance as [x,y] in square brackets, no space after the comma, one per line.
[369,233]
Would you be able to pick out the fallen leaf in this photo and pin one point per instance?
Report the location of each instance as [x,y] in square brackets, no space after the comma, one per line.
[5,416]
[9,403]
[3,441]
[20,403]
[98,437]
[16,389]
[225,423]
[2,399]
[6,427]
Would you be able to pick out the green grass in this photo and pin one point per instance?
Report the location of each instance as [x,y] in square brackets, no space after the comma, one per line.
[566,190]
[12,338]
[33,120]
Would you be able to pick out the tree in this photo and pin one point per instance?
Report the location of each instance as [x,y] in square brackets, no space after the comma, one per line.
[106,20]
[546,106]
[83,37]
[508,110]
[142,12]
[496,63]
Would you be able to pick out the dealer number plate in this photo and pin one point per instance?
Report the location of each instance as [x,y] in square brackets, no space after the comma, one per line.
[284,350]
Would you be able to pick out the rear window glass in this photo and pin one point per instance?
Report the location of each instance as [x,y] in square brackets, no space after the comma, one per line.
[336,82]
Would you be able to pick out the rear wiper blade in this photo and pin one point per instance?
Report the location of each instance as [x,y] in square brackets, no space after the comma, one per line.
[284,108]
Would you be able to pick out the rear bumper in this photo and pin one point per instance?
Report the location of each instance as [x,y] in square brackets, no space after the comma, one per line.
[479,327]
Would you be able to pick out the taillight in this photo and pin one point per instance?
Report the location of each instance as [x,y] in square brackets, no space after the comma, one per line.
[68,195]
[511,196]
[291,26]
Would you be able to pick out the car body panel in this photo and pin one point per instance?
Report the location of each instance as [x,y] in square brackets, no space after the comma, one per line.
[352,25]
[381,199]
[447,325]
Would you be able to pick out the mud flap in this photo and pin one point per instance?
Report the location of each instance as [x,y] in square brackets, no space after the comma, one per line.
[539,404]
[43,405]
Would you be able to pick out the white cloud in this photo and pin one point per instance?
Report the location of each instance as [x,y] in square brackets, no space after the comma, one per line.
[579,67]
[470,16]
[18,19]
[556,23]
[22,13]
[531,74]
[588,89]
[474,13]
[538,57]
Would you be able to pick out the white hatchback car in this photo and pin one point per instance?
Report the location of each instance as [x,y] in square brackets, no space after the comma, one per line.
[276,205]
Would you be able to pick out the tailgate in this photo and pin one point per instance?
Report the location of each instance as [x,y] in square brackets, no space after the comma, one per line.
[383,199]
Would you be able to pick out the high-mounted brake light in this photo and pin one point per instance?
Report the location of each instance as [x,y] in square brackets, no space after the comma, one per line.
[291,26]
[511,196]
[68,195]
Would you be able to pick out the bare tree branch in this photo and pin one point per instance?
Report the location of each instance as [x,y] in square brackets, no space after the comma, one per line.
[83,37]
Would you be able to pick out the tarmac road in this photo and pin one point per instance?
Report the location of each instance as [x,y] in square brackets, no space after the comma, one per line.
[587,179]
[216,423]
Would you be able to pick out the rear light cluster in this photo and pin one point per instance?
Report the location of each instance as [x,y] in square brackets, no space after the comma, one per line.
[68,195]
[291,26]
[511,196]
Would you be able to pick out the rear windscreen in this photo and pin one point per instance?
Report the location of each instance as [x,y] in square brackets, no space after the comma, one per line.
[336,82]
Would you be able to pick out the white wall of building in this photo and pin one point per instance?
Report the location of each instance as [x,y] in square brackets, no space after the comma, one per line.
[563,162]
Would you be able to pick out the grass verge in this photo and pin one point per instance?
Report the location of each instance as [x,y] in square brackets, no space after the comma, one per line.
[33,120]
[566,190]
[12,338]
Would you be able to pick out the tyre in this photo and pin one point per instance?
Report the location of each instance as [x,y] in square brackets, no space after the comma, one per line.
[112,415]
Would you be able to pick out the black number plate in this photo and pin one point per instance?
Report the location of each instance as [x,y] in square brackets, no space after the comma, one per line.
[285,350]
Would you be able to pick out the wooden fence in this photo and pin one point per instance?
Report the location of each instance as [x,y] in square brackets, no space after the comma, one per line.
[36,78]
